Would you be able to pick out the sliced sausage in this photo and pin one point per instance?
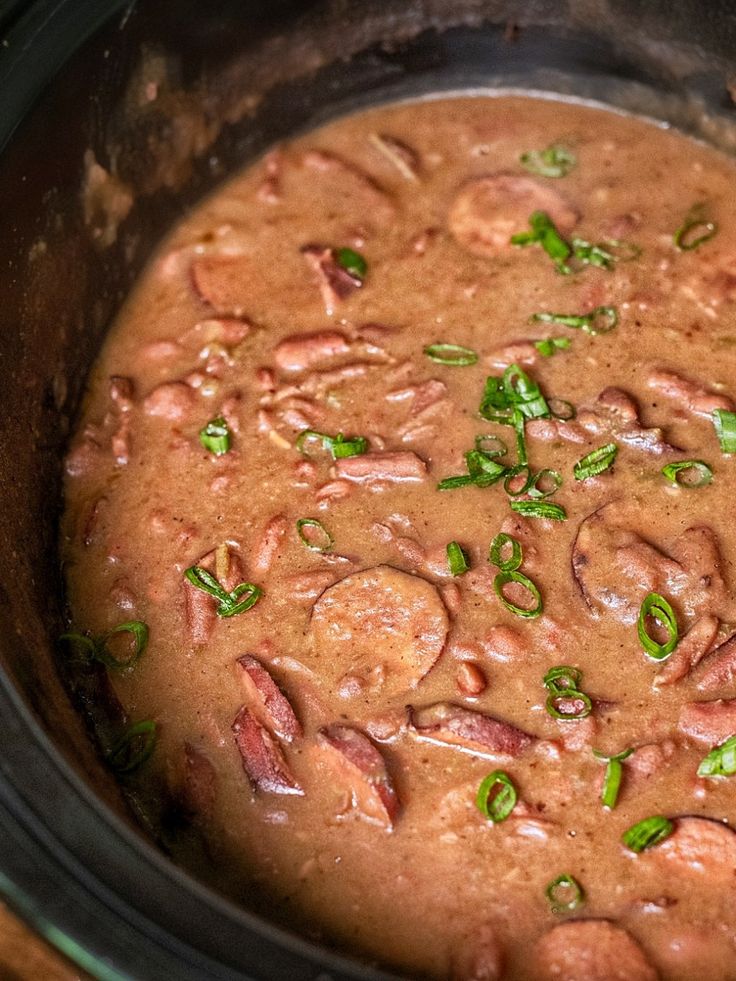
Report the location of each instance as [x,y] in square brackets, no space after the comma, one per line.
[359,766]
[688,394]
[398,467]
[262,759]
[267,548]
[266,700]
[709,722]
[591,950]
[487,211]
[719,669]
[335,283]
[304,351]
[701,846]
[380,618]
[472,732]
[690,651]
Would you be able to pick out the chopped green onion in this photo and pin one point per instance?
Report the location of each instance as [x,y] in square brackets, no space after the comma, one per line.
[562,679]
[457,560]
[541,478]
[525,393]
[496,806]
[613,775]
[96,647]
[229,604]
[342,447]
[215,437]
[598,321]
[551,345]
[555,161]
[595,462]
[559,888]
[451,354]
[483,470]
[544,232]
[539,509]
[352,262]
[659,609]
[695,230]
[501,542]
[561,409]
[338,446]
[569,705]
[721,761]
[725,426]
[647,833]
[512,576]
[324,540]
[519,424]
[452,483]
[688,473]
[133,748]
[566,702]
[513,475]
[491,445]
[590,254]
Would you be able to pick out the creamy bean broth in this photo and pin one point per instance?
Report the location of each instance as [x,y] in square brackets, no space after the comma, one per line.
[321,701]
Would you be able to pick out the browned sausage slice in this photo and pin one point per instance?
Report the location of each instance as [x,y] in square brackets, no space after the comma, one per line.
[689,652]
[591,950]
[267,701]
[472,732]
[303,351]
[700,846]
[719,668]
[262,759]
[389,467]
[381,624]
[709,722]
[688,394]
[487,211]
[361,768]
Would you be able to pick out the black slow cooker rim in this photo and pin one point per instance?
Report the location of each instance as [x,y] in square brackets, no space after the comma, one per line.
[63,871]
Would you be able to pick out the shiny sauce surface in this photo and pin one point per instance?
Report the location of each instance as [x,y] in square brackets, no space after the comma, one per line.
[326,696]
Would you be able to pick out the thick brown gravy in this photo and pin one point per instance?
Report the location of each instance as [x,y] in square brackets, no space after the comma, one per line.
[286,759]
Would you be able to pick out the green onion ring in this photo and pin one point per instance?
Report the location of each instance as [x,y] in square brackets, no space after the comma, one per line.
[658,607]
[564,882]
[512,474]
[352,262]
[453,355]
[647,833]
[553,475]
[496,808]
[676,473]
[327,541]
[721,761]
[499,543]
[503,578]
